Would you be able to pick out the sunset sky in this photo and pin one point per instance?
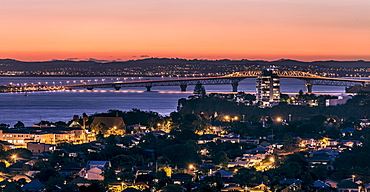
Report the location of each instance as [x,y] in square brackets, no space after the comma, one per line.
[204,29]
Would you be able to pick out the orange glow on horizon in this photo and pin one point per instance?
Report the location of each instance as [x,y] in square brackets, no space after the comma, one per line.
[47,56]
[196,29]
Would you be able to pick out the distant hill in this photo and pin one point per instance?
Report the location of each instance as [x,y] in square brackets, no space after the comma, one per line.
[167,66]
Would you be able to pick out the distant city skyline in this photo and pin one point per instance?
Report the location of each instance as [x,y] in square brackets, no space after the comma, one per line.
[203,29]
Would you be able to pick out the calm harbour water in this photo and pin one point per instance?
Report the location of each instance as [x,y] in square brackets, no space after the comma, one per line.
[62,105]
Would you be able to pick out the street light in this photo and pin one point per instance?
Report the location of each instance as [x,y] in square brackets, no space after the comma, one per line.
[14,157]
[272,159]
[227,118]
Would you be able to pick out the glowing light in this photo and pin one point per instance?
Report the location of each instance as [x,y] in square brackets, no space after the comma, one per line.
[279,119]
[191,166]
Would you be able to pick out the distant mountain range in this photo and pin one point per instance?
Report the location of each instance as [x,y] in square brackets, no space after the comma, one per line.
[167,66]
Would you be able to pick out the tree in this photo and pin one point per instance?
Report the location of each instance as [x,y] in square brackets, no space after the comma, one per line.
[126,161]
[52,181]
[298,158]
[60,124]
[46,173]
[289,143]
[127,177]
[199,90]
[11,187]
[4,126]
[19,124]
[2,167]
[318,119]
[284,97]
[173,188]
[240,128]
[111,140]
[163,180]
[187,156]
[100,128]
[300,95]
[220,158]
[109,174]
[250,177]
[292,170]
[20,153]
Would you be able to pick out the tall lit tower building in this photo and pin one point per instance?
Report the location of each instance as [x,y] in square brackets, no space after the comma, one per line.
[268,88]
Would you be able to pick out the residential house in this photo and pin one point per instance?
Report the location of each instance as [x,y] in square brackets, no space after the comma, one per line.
[94,170]
[320,184]
[347,131]
[342,99]
[181,178]
[348,186]
[292,184]
[321,160]
[232,188]
[70,169]
[351,143]
[35,147]
[143,170]
[50,135]
[206,138]
[223,174]
[115,125]
[332,183]
[259,188]
[19,167]
[80,181]
[33,186]
[136,127]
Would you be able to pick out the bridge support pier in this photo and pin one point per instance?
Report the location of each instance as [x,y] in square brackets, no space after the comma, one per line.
[235,86]
[309,87]
[117,88]
[90,88]
[183,87]
[148,87]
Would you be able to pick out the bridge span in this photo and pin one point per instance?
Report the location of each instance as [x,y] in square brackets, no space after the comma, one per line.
[232,79]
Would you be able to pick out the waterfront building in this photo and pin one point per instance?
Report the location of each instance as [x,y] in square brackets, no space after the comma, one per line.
[268,88]
[20,137]
[115,125]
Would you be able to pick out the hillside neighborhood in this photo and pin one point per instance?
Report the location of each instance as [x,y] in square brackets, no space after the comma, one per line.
[143,151]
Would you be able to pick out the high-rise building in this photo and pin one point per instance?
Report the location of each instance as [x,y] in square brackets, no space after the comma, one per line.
[268,88]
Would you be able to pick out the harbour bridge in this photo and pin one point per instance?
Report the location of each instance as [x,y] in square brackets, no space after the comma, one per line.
[232,79]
